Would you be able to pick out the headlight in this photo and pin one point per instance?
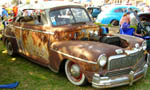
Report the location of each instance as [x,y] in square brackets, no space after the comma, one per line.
[144,45]
[102,60]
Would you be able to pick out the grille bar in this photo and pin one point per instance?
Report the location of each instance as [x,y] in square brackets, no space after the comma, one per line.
[124,61]
[118,73]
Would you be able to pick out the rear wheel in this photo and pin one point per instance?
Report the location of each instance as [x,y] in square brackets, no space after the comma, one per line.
[10,49]
[74,73]
[114,23]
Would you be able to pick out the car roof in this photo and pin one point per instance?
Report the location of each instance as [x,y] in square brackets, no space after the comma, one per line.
[93,7]
[114,7]
[48,5]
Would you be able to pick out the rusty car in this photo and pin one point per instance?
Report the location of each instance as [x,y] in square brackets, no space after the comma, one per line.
[61,35]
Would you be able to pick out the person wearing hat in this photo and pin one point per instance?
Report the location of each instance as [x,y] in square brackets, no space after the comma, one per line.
[4,16]
[4,11]
[125,19]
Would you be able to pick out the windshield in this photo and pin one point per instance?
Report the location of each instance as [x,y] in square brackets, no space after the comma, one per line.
[68,16]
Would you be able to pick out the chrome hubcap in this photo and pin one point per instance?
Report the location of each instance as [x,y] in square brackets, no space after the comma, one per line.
[75,70]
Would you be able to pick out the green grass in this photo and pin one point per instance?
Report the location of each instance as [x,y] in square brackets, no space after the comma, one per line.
[35,77]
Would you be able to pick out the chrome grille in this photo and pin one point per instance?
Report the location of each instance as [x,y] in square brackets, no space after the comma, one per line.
[118,73]
[125,61]
[140,63]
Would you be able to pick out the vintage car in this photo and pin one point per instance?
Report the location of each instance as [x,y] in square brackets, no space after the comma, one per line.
[61,35]
[113,13]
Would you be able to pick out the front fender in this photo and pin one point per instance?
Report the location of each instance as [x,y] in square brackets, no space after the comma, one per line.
[84,53]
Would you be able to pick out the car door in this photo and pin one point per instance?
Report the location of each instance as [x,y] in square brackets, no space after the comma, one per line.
[35,39]
[18,33]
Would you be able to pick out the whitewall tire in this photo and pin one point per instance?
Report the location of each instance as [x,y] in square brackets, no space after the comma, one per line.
[74,74]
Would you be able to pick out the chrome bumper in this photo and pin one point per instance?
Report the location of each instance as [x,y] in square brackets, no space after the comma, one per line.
[106,82]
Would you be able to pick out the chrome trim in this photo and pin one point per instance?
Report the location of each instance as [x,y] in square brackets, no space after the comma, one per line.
[131,78]
[145,69]
[119,51]
[80,59]
[132,51]
[17,27]
[102,82]
[98,61]
[144,42]
[114,57]
[129,52]
[28,29]
[148,58]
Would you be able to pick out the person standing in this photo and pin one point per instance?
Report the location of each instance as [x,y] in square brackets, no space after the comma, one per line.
[125,19]
[15,10]
[134,23]
[4,16]
[125,24]
[4,11]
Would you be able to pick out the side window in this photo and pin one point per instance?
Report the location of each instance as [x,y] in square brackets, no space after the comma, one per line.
[31,17]
[37,20]
[28,20]
[96,10]
[43,18]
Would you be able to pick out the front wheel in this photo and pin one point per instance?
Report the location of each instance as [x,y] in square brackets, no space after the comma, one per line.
[74,73]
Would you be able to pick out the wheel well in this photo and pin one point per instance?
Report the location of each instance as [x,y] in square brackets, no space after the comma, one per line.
[62,66]
[114,20]
[115,23]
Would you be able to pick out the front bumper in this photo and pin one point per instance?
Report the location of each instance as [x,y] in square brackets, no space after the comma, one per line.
[106,82]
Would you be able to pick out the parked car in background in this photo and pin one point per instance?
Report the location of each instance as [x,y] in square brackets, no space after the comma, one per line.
[94,11]
[62,36]
[113,13]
